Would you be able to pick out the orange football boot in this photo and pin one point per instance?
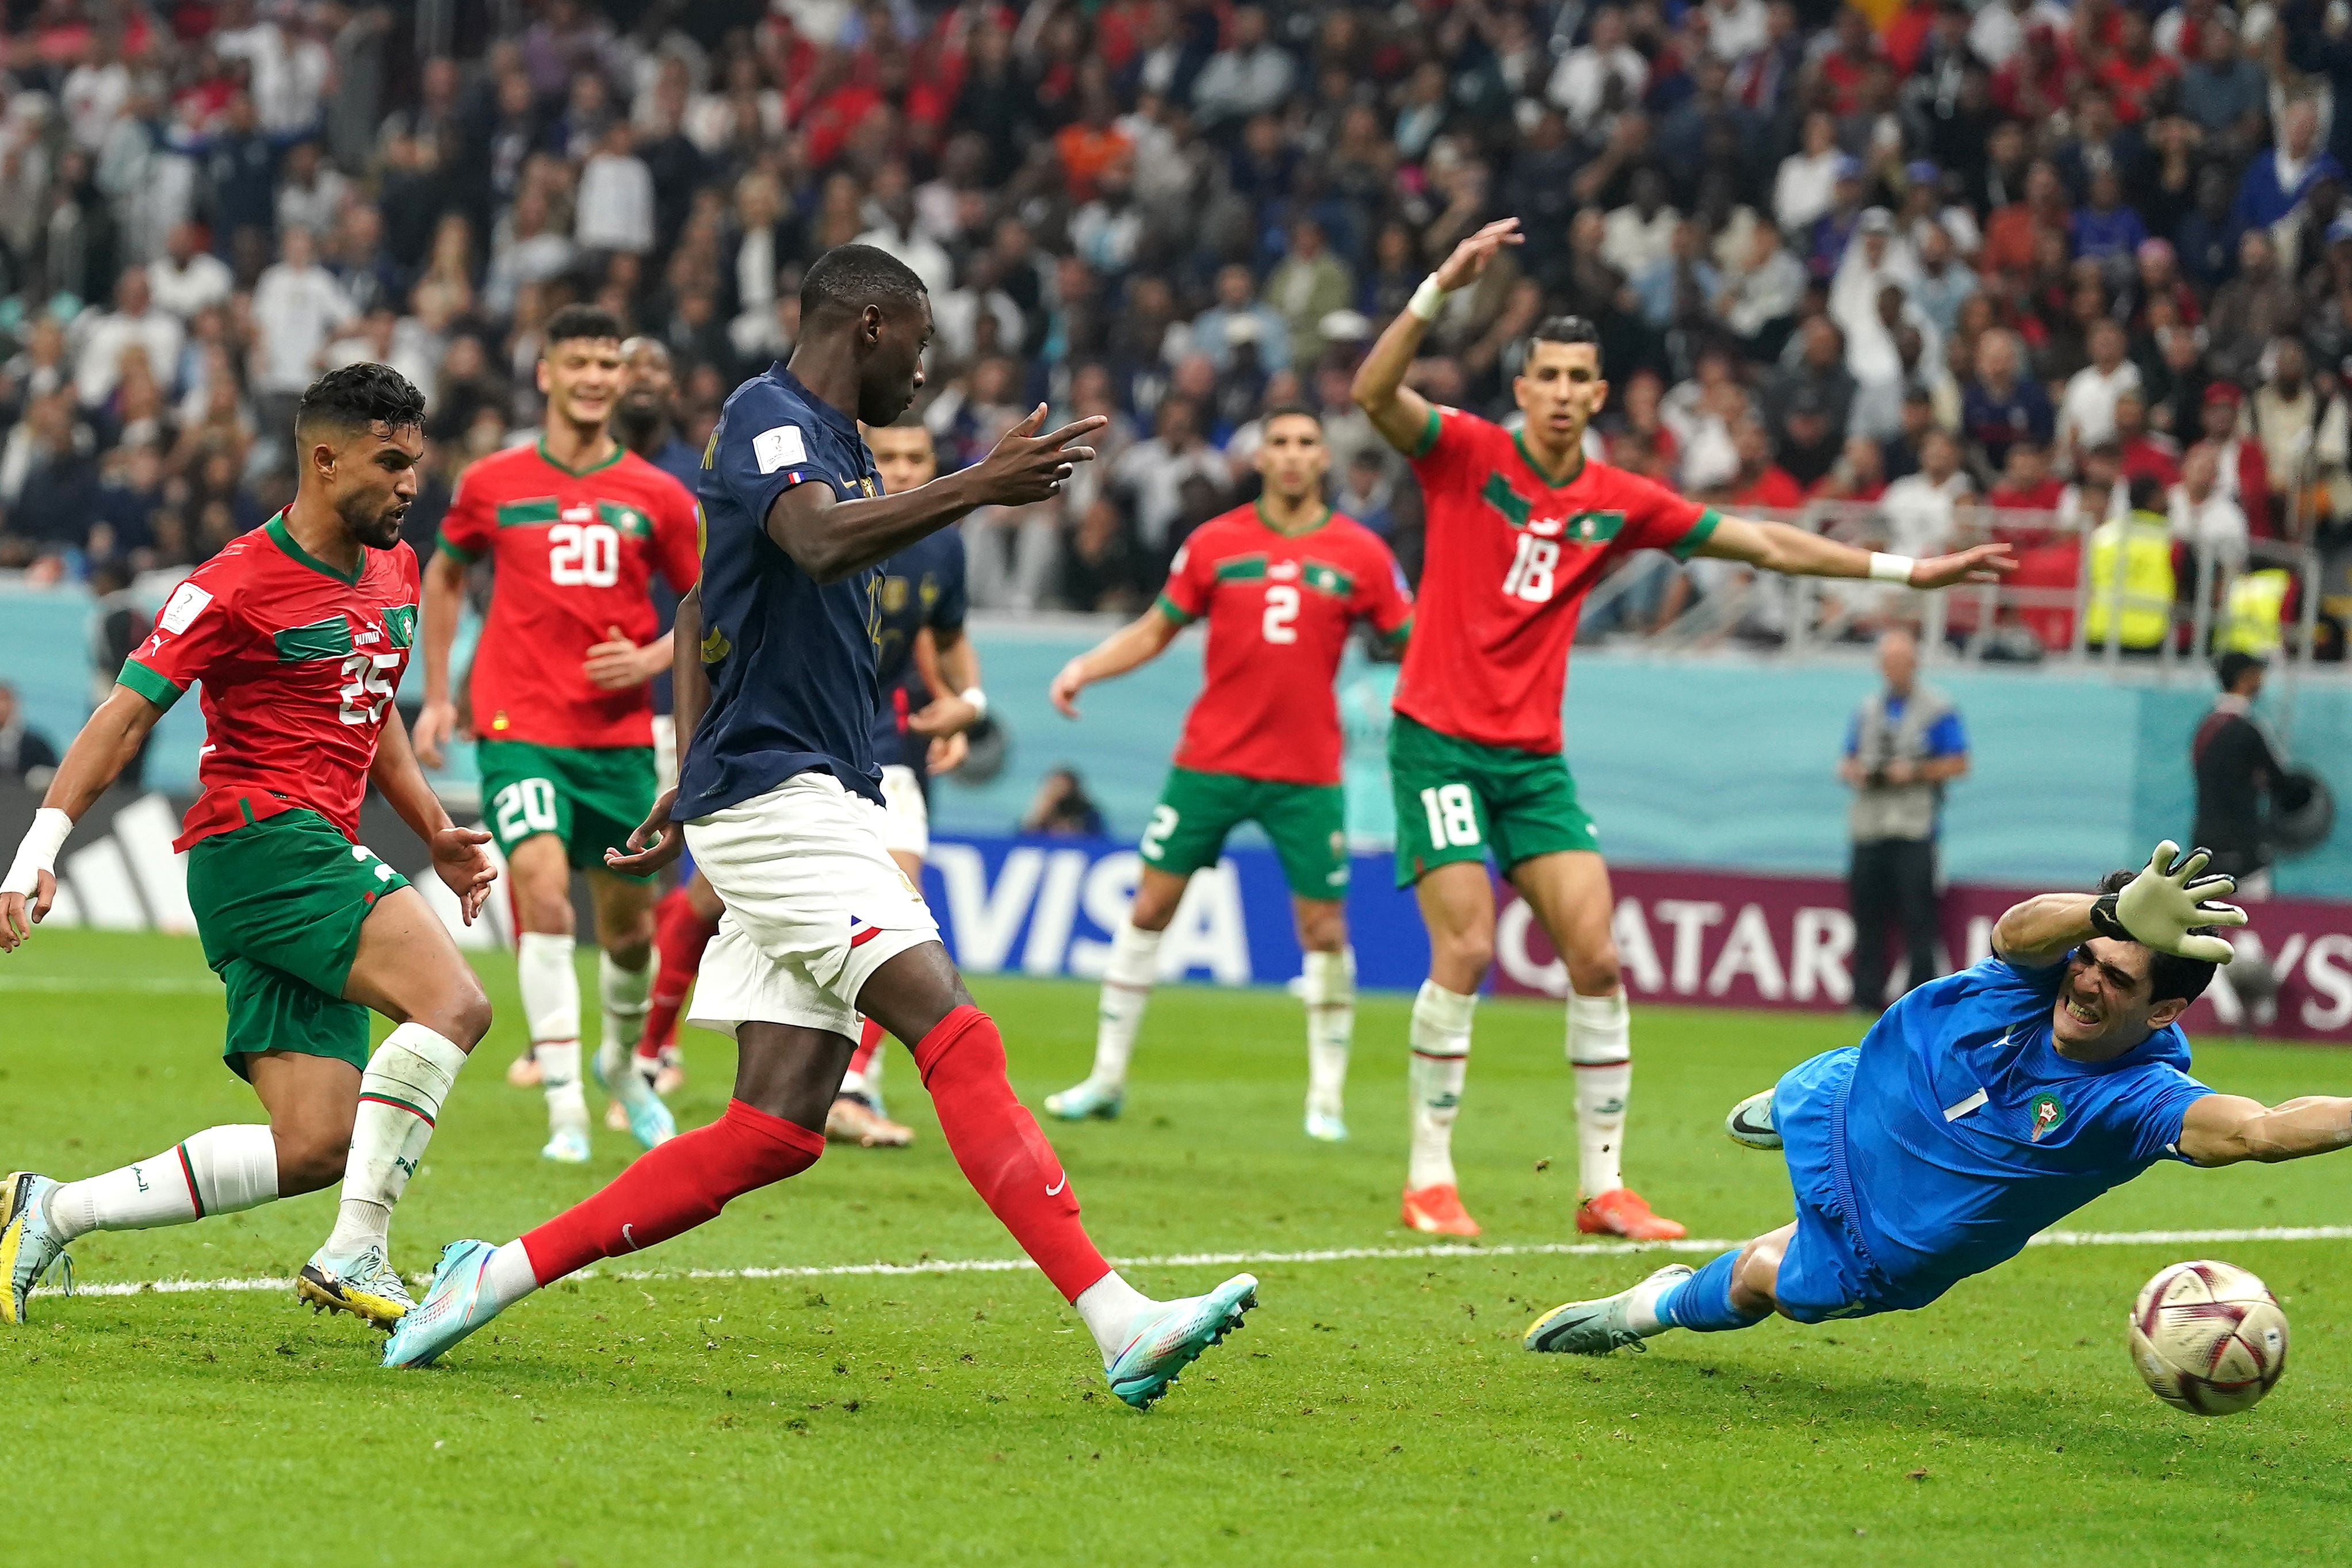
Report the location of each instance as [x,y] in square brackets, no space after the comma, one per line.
[1438,1211]
[1622,1211]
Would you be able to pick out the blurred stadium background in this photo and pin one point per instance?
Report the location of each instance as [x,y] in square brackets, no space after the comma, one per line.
[1918,274]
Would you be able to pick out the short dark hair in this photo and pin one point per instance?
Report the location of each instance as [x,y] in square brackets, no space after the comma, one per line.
[1564,330]
[1289,411]
[359,397]
[574,322]
[848,278]
[2170,975]
[2233,666]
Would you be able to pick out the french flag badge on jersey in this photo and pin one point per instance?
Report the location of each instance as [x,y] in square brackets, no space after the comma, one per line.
[862,931]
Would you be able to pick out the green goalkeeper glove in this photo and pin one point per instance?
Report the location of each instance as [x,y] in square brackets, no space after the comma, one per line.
[2157,908]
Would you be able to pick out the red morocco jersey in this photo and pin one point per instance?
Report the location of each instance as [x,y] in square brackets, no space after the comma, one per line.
[298,664]
[1509,559]
[576,555]
[1279,607]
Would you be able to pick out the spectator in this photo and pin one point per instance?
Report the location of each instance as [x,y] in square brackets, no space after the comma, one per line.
[2211,525]
[615,208]
[2026,484]
[25,754]
[2003,404]
[2242,471]
[136,322]
[1903,746]
[119,622]
[1250,76]
[1919,508]
[310,193]
[2276,183]
[297,306]
[2141,452]
[2087,415]
[187,279]
[1308,285]
[2236,767]
[1604,75]
[2305,436]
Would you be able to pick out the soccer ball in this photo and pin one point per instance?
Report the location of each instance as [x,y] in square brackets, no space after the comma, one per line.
[2207,1338]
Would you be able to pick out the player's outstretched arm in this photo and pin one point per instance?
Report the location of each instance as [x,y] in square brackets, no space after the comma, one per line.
[2225,1129]
[1138,642]
[91,764]
[1399,413]
[1798,552]
[658,840]
[829,538]
[445,600]
[460,859]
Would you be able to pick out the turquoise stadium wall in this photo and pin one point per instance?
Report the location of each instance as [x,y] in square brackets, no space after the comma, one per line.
[1722,761]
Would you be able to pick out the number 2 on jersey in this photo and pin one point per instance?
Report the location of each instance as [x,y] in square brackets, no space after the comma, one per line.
[584,555]
[1281,610]
[1530,577]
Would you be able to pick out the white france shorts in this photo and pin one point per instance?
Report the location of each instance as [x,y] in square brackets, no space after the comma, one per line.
[905,819]
[814,906]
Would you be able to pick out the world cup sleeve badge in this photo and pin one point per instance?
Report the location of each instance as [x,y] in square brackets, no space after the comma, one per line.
[2049,1111]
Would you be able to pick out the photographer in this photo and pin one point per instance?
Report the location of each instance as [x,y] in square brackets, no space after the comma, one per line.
[1902,747]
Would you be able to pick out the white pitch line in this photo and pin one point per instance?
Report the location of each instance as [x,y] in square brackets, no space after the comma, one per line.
[1329,1255]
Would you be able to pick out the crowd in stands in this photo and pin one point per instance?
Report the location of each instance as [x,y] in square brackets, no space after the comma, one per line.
[2085,262]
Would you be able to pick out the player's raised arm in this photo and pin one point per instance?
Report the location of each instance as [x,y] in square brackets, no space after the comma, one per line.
[1798,552]
[1138,642]
[91,764]
[1400,414]
[2168,907]
[829,538]
[458,858]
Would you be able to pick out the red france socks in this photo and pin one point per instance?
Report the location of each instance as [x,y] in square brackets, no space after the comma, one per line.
[1002,1155]
[869,1040]
[679,936]
[670,1190]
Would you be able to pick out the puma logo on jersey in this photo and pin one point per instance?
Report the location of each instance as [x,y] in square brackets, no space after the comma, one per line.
[1283,571]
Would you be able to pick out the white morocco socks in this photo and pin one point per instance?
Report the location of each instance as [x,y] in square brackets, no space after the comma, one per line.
[218,1171]
[551,1009]
[401,1095]
[1329,986]
[1600,1052]
[1441,1061]
[1126,992]
[1111,1308]
[623,992]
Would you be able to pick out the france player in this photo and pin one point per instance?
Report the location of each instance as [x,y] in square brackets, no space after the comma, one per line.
[1982,1108]
[782,803]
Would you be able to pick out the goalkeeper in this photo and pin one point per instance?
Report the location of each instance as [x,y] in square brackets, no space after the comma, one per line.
[1982,1108]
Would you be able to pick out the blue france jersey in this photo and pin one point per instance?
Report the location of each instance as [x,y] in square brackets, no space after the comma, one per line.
[922,585]
[791,662]
[1965,1131]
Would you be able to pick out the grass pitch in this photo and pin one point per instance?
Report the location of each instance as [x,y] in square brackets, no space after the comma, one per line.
[1376,1408]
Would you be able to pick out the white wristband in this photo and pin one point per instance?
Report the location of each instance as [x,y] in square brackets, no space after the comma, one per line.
[978,700]
[1887,568]
[38,852]
[1427,299]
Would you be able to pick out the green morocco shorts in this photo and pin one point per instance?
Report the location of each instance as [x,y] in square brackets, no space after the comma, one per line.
[1457,800]
[279,904]
[591,798]
[1308,824]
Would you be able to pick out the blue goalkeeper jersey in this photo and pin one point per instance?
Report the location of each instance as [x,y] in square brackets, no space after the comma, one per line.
[1956,1131]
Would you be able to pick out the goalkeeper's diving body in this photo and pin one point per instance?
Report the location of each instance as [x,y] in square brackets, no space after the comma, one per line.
[1981,1109]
